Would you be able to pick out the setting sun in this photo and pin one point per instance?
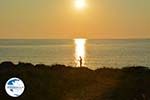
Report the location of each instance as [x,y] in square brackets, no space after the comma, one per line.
[80,4]
[75,49]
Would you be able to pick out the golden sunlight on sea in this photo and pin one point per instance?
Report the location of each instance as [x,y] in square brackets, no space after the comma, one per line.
[80,51]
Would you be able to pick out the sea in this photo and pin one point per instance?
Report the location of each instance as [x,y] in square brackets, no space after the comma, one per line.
[95,53]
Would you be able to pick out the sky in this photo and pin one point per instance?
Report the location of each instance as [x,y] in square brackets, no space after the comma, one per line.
[100,19]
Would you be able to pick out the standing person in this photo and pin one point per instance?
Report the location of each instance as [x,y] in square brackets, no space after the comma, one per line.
[80,61]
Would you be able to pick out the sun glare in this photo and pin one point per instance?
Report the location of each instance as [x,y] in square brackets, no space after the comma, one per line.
[80,4]
[79,50]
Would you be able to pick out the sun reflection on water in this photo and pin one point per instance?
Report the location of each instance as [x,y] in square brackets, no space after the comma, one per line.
[80,51]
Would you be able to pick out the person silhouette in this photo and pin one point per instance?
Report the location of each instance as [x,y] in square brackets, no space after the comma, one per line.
[80,61]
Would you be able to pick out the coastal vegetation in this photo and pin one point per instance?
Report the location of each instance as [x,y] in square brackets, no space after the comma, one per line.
[60,82]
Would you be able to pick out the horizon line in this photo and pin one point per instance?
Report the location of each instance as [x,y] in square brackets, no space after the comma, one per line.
[73,38]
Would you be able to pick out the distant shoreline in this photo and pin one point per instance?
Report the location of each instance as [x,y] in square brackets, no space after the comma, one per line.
[10,64]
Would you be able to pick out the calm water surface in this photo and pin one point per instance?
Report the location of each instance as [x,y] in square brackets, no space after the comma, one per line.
[95,53]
